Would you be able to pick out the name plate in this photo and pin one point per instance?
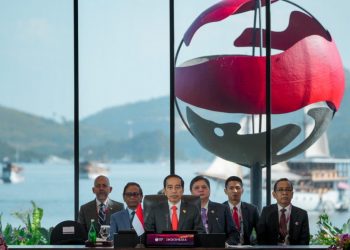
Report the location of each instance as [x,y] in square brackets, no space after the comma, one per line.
[170,240]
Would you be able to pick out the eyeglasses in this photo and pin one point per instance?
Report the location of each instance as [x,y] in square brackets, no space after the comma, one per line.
[284,190]
[131,194]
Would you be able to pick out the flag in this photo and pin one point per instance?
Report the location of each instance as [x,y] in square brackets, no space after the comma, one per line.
[137,222]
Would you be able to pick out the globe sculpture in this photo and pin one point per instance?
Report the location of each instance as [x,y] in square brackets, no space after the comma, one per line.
[306,72]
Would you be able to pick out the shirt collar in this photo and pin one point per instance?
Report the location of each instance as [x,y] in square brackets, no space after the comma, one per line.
[177,204]
[238,206]
[288,208]
[130,210]
[206,206]
[104,203]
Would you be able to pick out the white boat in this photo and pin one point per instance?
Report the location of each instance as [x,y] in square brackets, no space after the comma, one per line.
[90,170]
[11,173]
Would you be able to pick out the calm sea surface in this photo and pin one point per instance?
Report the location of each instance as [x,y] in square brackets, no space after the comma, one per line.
[51,187]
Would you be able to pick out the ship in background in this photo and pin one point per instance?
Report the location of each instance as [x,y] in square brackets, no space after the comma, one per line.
[90,170]
[320,181]
[11,173]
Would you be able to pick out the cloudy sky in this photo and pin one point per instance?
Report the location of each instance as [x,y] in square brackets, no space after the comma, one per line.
[124,49]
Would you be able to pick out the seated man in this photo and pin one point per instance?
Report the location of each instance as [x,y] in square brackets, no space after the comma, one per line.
[122,220]
[216,217]
[101,208]
[244,215]
[283,223]
[174,214]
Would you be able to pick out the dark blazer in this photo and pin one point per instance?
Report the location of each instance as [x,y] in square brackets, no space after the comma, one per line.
[220,221]
[159,220]
[88,211]
[268,226]
[120,221]
[250,216]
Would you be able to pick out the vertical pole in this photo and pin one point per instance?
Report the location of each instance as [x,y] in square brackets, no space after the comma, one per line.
[172,87]
[256,185]
[76,110]
[268,102]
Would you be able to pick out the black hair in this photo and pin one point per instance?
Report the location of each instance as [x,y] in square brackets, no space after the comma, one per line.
[176,176]
[132,184]
[282,179]
[233,178]
[199,178]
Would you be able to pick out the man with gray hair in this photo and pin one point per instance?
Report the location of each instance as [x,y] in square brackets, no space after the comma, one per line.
[101,208]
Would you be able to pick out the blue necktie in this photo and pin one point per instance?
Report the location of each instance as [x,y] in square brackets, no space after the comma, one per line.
[101,215]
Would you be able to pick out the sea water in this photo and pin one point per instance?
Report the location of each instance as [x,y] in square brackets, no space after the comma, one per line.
[51,187]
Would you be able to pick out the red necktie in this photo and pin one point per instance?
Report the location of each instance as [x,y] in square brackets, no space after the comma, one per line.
[174,220]
[236,218]
[283,224]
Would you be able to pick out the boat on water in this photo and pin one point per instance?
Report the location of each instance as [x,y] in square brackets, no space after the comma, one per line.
[11,173]
[91,169]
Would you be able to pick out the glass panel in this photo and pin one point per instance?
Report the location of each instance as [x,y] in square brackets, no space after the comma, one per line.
[217,38]
[36,109]
[124,94]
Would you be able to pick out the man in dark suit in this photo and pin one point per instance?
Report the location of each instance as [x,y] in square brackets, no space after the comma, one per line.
[244,215]
[122,220]
[216,217]
[101,208]
[174,214]
[283,223]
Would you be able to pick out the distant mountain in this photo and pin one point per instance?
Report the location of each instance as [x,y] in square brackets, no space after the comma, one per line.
[31,137]
[138,131]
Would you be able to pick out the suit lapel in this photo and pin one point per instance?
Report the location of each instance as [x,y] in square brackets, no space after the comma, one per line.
[211,213]
[274,219]
[183,215]
[245,217]
[293,221]
[165,207]
[126,218]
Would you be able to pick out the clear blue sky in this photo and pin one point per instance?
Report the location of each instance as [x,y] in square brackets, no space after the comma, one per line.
[123,49]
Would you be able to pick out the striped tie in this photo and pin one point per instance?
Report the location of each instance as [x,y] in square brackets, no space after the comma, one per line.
[101,215]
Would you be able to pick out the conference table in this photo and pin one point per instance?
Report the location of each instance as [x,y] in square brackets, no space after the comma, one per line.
[79,247]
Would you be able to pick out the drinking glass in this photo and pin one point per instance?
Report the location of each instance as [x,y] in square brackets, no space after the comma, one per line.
[104,231]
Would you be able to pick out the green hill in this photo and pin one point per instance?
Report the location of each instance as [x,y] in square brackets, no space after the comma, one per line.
[138,131]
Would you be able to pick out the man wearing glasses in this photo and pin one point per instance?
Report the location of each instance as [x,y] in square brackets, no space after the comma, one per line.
[174,214]
[122,220]
[283,223]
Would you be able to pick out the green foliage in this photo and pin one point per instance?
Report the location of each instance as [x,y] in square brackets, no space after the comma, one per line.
[331,235]
[31,233]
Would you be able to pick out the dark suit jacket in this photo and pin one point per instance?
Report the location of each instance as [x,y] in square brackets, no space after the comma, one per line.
[88,211]
[220,221]
[120,221]
[250,216]
[268,227]
[159,220]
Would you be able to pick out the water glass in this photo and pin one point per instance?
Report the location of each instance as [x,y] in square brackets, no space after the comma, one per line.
[104,231]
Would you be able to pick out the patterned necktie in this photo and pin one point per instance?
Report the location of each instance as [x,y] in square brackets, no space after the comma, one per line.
[174,220]
[236,218]
[132,218]
[101,215]
[283,225]
[204,218]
